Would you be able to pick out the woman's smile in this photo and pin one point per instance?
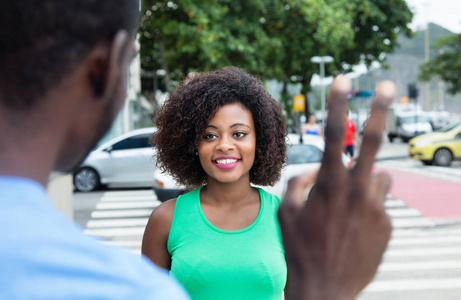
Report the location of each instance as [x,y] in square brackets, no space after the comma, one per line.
[226,162]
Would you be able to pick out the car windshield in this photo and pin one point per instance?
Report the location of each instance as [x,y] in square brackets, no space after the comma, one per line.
[414,119]
[449,127]
[303,154]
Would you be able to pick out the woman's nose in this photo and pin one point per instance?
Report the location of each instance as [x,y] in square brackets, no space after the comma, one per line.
[225,144]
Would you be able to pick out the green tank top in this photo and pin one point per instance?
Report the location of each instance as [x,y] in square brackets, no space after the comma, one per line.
[217,264]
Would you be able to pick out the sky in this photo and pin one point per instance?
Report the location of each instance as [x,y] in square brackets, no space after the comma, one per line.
[445,13]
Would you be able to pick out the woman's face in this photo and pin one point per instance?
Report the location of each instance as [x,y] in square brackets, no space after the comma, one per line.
[227,148]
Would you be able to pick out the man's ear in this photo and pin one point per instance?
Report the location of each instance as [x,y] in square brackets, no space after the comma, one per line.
[107,64]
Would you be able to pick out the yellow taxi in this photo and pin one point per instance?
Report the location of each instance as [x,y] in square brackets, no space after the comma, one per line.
[439,148]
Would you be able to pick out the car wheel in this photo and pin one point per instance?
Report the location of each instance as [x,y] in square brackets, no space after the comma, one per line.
[86,179]
[443,157]
[427,162]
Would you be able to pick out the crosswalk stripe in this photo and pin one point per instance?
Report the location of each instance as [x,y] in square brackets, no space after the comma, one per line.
[127,243]
[411,222]
[414,285]
[420,265]
[414,241]
[99,214]
[128,204]
[117,223]
[425,233]
[426,251]
[393,203]
[407,212]
[128,198]
[129,193]
[113,232]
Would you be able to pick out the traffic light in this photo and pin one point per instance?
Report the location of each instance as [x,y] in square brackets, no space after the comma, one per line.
[412,91]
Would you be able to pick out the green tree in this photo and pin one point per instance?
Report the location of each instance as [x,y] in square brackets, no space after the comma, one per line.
[186,36]
[446,65]
[270,38]
[351,31]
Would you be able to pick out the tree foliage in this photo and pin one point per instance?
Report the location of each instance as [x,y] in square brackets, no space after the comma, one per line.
[270,38]
[446,65]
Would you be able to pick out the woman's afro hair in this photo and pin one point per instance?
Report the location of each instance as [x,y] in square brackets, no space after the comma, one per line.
[183,118]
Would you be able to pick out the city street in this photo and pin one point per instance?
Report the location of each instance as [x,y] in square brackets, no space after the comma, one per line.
[423,260]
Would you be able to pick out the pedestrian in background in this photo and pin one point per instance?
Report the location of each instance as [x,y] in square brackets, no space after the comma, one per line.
[350,138]
[311,127]
[220,133]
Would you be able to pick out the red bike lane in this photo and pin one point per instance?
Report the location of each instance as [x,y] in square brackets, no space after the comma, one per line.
[435,198]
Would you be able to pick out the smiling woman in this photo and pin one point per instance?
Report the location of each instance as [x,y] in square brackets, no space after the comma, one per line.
[219,133]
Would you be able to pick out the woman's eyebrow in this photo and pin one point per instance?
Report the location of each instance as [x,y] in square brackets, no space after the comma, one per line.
[241,124]
[233,125]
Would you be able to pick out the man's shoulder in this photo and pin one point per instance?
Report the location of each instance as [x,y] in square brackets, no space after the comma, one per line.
[42,247]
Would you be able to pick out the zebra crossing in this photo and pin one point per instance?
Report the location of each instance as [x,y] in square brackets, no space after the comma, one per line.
[423,257]
[120,217]
[422,261]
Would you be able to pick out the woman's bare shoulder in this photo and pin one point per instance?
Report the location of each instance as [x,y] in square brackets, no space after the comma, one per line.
[163,214]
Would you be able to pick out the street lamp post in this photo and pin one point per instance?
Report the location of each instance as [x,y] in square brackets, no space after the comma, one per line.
[322,60]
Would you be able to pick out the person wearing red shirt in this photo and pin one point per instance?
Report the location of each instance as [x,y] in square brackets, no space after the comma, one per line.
[350,138]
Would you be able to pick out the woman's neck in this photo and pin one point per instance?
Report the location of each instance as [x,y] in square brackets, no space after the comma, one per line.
[234,193]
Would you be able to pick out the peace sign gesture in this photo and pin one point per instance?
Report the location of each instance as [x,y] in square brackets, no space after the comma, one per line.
[335,240]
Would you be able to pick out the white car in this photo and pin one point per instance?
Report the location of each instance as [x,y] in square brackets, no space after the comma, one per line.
[301,158]
[127,160]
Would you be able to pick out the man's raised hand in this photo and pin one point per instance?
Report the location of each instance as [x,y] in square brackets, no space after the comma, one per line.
[335,240]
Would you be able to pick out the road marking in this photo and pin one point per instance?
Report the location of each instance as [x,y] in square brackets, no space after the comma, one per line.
[414,285]
[424,233]
[420,265]
[411,222]
[125,243]
[129,198]
[394,203]
[128,204]
[100,214]
[107,223]
[403,212]
[129,193]
[426,251]
[116,232]
[427,240]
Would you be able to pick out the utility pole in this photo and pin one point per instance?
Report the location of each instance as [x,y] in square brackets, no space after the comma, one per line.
[427,100]
[321,60]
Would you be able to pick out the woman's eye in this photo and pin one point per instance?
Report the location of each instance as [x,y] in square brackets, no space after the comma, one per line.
[209,136]
[240,134]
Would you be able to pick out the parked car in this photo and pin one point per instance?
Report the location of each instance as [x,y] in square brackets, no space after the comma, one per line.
[439,148]
[127,160]
[300,158]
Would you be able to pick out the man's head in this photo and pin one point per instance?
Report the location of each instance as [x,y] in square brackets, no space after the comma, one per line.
[43,41]
[60,54]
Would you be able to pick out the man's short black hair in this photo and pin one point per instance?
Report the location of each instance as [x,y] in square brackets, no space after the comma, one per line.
[44,40]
